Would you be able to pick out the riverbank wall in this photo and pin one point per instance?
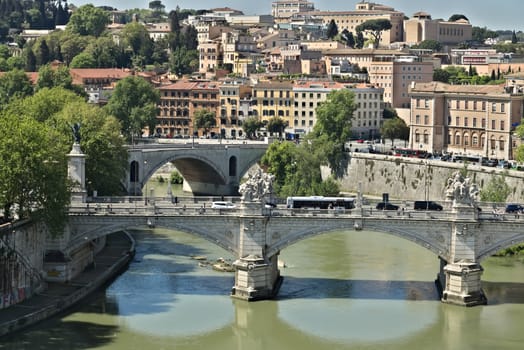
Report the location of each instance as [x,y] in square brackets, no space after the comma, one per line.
[417,179]
[57,297]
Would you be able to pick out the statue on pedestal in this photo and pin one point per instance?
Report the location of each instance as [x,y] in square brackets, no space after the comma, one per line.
[76,132]
[461,190]
[258,186]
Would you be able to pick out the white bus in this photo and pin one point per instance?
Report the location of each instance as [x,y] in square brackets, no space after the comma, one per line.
[320,202]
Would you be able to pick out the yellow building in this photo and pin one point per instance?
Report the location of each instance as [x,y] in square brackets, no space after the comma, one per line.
[273,99]
[421,27]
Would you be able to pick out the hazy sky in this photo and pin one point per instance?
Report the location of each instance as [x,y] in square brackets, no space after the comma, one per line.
[502,14]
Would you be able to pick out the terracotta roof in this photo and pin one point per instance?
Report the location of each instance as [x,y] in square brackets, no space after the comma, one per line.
[86,73]
[33,76]
[439,87]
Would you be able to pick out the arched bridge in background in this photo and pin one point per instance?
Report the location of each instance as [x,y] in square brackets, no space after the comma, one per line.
[208,169]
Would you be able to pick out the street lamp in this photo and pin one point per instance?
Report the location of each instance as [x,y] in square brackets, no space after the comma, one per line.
[145,180]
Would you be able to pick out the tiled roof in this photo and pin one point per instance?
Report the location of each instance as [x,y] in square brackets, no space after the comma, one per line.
[439,87]
[93,73]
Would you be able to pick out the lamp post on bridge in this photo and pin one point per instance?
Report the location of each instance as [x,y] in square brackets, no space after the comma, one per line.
[145,181]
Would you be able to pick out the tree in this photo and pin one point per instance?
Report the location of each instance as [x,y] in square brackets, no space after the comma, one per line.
[101,139]
[348,38]
[514,39]
[136,37]
[134,103]
[394,128]
[34,171]
[429,45]
[183,61]
[49,77]
[106,53]
[83,60]
[276,124]
[496,190]
[251,125]
[359,42]
[88,20]
[332,29]
[13,85]
[333,128]
[457,17]
[375,28]
[204,119]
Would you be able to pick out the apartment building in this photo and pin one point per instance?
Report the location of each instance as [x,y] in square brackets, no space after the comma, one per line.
[178,104]
[235,106]
[283,10]
[421,27]
[395,74]
[273,99]
[465,119]
[367,118]
[365,11]
[98,82]
[210,55]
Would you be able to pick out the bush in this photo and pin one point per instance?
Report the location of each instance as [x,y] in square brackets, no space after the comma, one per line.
[176,178]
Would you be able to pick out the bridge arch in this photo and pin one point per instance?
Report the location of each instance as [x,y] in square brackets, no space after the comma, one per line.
[437,244]
[500,245]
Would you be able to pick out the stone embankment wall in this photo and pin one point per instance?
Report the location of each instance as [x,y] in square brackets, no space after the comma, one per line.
[22,246]
[412,178]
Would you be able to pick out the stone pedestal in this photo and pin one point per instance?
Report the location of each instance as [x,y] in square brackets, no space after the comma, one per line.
[256,278]
[463,285]
[76,172]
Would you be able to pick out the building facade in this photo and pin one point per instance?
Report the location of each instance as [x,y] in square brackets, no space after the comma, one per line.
[421,27]
[235,106]
[283,10]
[395,74]
[465,119]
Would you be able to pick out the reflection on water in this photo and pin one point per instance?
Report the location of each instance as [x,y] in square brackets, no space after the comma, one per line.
[341,290]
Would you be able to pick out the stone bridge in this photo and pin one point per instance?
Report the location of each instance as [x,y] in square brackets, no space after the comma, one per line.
[460,236]
[208,169]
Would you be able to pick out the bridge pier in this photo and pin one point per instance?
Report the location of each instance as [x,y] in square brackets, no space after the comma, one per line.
[463,286]
[256,278]
[463,274]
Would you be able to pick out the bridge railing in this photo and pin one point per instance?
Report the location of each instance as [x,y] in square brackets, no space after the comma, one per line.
[164,206]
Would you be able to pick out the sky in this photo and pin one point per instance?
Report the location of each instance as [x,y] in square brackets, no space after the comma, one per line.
[499,15]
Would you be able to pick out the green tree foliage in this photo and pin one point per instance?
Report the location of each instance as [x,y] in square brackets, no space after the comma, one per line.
[14,85]
[496,190]
[34,171]
[297,170]
[332,29]
[134,103]
[251,125]
[481,34]
[204,119]
[333,128]
[429,45]
[183,61]
[136,38]
[276,124]
[105,53]
[88,20]
[514,39]
[83,60]
[49,77]
[389,112]
[394,128]
[457,17]
[347,38]
[359,41]
[375,27]
[72,44]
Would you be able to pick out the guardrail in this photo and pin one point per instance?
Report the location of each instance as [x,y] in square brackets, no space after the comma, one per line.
[200,208]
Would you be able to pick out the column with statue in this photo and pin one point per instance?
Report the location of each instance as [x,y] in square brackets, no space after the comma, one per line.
[76,167]
[460,277]
[256,274]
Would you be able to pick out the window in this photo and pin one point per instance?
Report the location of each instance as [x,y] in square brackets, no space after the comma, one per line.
[502,125]
[457,121]
[493,124]
[426,103]
[457,139]
[501,144]
[493,107]
[474,140]
[426,138]
[417,137]
[417,119]
[426,119]
[474,122]
[483,123]
[502,108]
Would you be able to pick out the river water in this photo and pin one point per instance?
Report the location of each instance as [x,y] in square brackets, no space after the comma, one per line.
[341,290]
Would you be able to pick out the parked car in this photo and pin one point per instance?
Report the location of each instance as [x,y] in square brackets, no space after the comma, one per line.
[426,205]
[223,205]
[386,206]
[514,208]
